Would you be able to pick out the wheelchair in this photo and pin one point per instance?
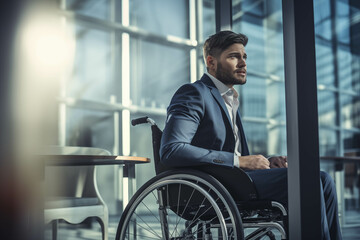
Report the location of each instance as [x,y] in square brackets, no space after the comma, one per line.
[196,203]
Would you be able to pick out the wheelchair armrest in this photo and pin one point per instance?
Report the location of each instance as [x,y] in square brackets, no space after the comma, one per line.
[235,180]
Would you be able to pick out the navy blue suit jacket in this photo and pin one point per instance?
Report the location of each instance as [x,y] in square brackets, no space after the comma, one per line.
[198,129]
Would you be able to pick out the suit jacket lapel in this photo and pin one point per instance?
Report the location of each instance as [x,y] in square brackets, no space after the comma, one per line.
[216,94]
[244,146]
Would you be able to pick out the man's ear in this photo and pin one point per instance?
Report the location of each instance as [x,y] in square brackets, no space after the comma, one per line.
[211,63]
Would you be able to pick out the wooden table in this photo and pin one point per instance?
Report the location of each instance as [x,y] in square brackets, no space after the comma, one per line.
[88,156]
[128,162]
[88,160]
[68,156]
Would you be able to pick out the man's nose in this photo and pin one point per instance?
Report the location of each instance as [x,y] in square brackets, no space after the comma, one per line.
[241,62]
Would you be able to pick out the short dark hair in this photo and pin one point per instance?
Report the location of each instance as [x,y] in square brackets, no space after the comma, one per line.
[220,41]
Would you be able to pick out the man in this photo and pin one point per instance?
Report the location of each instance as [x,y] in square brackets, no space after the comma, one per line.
[204,128]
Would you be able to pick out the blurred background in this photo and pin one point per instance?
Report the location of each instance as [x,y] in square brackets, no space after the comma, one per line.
[75,72]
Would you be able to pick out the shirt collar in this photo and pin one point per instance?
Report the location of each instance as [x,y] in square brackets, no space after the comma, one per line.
[223,89]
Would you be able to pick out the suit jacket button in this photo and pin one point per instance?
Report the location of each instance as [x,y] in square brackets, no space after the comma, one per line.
[218,161]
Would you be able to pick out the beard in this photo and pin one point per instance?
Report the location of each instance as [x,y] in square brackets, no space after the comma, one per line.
[227,77]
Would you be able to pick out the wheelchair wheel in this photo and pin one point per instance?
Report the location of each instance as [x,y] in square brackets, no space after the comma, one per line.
[181,205]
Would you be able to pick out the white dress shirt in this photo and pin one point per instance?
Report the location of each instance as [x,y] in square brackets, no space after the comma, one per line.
[231,100]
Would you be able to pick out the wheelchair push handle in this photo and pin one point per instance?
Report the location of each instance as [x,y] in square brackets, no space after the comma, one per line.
[137,121]
[142,120]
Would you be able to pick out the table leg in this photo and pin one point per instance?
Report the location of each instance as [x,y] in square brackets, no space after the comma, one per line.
[129,183]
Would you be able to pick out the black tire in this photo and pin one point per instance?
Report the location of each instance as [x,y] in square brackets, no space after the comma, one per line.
[204,193]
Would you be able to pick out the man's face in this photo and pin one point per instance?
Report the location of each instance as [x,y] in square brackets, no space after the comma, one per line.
[231,65]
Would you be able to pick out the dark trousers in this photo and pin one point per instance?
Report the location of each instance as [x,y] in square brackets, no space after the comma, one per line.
[272,184]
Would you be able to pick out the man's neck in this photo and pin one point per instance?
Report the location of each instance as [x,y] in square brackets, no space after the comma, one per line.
[214,75]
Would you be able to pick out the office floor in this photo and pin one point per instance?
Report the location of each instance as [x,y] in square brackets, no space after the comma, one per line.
[92,231]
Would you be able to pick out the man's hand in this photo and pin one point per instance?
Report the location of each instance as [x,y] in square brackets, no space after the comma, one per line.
[278,162]
[254,162]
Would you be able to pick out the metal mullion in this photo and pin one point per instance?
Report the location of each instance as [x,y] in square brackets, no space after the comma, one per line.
[199,28]
[131,30]
[109,107]
[125,96]
[117,169]
[302,119]
[263,120]
[339,175]
[193,37]
[223,13]
[62,107]
[334,47]
[265,76]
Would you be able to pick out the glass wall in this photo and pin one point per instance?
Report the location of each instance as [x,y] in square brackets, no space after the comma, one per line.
[337,24]
[130,58]
[262,99]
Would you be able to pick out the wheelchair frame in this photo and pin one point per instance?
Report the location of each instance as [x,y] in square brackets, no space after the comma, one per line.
[191,204]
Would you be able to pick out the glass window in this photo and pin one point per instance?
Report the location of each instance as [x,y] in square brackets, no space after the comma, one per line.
[327,108]
[276,142]
[208,20]
[162,17]
[322,19]
[257,137]
[206,28]
[253,97]
[92,73]
[89,128]
[351,141]
[328,143]
[350,111]
[93,8]
[342,22]
[275,101]
[325,71]
[157,71]
[262,98]
[355,73]
[345,69]
[349,66]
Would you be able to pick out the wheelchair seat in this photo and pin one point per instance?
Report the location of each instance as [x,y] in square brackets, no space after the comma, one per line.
[198,203]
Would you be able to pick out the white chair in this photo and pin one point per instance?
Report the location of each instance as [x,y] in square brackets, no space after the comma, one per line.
[71,192]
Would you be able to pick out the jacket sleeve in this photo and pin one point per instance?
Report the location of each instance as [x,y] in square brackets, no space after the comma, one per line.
[185,113]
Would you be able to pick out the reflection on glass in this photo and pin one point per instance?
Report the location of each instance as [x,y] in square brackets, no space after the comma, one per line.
[92,75]
[207,27]
[93,8]
[351,192]
[208,20]
[253,97]
[257,137]
[276,142]
[88,128]
[324,63]
[328,142]
[351,142]
[157,71]
[162,17]
[350,111]
[327,108]
[263,96]
[337,65]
